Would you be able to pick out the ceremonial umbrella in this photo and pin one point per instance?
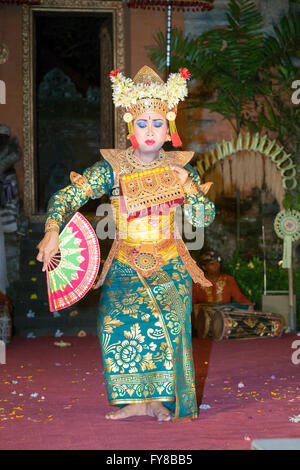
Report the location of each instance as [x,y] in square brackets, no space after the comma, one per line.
[170,5]
[20,2]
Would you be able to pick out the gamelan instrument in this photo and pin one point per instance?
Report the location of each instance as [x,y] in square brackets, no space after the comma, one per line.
[237,324]
[219,321]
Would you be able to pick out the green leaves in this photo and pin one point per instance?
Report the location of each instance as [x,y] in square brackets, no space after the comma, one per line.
[287,201]
[228,59]
[242,73]
[249,274]
[240,64]
[284,43]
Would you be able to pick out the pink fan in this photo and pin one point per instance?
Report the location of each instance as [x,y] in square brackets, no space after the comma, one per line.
[72,271]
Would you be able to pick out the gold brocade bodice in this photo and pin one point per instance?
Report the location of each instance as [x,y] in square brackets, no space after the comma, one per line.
[148,228]
[151,236]
[146,241]
[124,162]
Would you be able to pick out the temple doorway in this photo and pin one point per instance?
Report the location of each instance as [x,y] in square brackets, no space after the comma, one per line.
[72,106]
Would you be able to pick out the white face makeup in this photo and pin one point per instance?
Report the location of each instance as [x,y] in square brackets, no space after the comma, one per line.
[150,130]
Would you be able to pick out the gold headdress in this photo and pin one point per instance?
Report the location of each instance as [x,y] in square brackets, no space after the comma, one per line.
[148,92]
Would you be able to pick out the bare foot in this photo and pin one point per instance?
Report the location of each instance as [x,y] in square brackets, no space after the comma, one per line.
[154,409]
[136,409]
[159,411]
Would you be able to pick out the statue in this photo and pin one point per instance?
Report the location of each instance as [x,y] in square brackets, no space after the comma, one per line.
[9,196]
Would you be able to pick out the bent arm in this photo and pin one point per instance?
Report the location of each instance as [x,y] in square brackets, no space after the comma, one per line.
[94,182]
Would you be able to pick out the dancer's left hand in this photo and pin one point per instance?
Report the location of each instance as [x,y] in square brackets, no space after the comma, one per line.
[182,173]
[97,283]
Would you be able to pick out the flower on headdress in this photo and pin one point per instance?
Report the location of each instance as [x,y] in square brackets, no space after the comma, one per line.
[126,92]
[114,73]
[177,89]
[184,73]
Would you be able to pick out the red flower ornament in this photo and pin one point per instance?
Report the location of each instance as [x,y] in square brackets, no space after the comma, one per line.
[184,73]
[114,73]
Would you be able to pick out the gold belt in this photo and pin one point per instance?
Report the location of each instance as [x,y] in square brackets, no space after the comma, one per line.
[145,257]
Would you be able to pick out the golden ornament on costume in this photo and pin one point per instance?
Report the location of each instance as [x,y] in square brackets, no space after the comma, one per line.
[151,188]
[171,116]
[128,117]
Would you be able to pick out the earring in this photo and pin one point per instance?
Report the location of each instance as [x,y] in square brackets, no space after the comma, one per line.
[176,141]
[168,138]
[128,118]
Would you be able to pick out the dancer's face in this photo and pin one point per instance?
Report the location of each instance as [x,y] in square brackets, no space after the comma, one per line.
[150,130]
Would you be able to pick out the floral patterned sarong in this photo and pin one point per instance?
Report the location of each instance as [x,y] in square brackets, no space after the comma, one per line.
[145,333]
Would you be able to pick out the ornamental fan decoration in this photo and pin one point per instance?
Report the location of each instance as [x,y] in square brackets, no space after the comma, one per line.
[287,227]
[72,270]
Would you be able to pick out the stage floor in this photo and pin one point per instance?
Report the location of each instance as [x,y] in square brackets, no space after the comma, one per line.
[54,398]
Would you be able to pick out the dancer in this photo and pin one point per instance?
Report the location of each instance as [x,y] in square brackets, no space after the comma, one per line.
[145,305]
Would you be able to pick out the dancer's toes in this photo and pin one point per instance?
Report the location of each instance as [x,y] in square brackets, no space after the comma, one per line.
[110,415]
[127,411]
[159,411]
[154,409]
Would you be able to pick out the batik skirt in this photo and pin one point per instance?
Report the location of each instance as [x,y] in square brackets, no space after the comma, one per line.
[144,328]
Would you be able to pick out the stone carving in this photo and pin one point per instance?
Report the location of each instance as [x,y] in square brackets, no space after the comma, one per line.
[9,196]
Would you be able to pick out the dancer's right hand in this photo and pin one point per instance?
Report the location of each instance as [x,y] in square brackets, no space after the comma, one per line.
[48,247]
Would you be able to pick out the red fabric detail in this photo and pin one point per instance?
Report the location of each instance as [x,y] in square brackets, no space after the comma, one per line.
[216,295]
[6,300]
[176,141]
[134,142]
[160,209]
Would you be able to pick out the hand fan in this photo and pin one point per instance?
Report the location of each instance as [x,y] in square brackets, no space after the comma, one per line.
[72,270]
